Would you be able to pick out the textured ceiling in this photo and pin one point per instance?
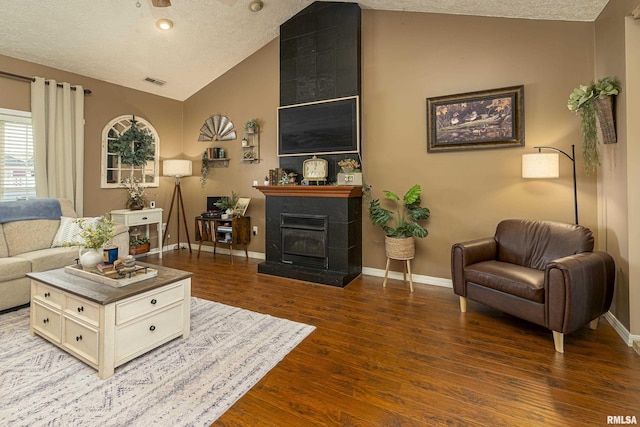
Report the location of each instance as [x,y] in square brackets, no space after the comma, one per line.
[116,41]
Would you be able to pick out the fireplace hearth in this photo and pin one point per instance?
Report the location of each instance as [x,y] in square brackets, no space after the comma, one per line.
[313,233]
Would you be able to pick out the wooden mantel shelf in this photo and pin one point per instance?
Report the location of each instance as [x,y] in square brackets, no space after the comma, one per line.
[337,191]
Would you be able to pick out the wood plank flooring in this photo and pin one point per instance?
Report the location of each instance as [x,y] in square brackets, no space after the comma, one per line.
[387,357]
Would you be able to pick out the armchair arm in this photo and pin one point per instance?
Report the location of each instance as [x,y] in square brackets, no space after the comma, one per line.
[578,289]
[467,253]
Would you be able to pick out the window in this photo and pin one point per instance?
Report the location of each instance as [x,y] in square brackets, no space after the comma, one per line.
[17,173]
[113,170]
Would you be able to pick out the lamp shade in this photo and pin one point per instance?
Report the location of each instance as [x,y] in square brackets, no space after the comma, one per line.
[540,165]
[176,168]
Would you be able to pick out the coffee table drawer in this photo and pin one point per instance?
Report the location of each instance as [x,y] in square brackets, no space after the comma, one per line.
[149,302]
[82,309]
[48,294]
[80,340]
[145,334]
[46,321]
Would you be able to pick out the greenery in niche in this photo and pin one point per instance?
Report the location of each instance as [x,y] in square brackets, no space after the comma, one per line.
[405,220]
[583,101]
[135,146]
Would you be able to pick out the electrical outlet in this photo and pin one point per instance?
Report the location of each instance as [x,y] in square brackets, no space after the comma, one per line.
[168,237]
[255,230]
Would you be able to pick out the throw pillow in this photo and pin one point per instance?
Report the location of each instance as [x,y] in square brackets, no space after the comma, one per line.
[68,233]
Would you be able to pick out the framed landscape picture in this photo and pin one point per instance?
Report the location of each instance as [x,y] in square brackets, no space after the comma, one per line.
[471,121]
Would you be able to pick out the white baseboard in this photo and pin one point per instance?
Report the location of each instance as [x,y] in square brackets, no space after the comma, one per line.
[417,278]
[626,336]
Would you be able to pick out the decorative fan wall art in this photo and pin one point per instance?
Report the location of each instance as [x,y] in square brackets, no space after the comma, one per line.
[217,128]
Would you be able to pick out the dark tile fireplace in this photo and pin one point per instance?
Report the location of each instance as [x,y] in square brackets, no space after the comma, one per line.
[313,233]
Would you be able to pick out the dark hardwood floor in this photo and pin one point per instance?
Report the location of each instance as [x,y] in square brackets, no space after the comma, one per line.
[387,357]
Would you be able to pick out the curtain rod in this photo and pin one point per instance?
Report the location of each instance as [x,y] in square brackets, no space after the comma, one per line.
[32,79]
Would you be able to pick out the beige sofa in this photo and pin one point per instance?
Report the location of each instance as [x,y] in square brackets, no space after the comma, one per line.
[25,246]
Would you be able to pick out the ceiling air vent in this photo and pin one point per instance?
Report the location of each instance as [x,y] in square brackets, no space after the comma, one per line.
[154,81]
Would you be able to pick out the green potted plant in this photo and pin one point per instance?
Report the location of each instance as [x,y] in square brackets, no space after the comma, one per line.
[401,226]
[93,235]
[226,204]
[251,126]
[138,244]
[594,100]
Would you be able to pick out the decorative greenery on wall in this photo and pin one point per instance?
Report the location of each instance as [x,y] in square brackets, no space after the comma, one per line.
[135,146]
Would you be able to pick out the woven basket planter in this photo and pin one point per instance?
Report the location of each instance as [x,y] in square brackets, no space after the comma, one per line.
[400,247]
[604,109]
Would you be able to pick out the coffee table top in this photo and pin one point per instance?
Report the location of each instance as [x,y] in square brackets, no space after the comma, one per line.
[104,294]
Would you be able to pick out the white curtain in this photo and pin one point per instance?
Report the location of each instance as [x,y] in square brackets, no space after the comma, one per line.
[58,139]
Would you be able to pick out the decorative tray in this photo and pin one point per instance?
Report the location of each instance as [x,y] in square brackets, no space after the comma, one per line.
[140,273]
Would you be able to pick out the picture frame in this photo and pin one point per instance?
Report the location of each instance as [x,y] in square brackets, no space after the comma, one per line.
[476,120]
[241,206]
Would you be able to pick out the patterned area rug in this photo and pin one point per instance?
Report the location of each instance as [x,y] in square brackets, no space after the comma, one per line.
[183,383]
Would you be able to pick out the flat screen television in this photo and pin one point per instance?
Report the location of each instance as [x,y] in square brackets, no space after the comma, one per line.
[331,126]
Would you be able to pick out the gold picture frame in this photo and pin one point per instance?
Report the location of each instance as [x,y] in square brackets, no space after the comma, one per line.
[241,206]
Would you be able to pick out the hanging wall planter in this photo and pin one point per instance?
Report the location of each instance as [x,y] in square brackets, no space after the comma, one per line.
[591,102]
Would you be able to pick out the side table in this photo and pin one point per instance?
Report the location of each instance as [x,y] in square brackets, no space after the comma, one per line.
[140,217]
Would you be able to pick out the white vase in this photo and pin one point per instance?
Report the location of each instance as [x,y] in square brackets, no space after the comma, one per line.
[89,258]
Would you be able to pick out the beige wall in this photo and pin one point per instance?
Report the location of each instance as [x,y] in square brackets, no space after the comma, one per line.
[408,57]
[617,177]
[249,90]
[106,102]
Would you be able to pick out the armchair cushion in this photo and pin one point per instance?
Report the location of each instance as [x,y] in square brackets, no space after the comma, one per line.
[524,282]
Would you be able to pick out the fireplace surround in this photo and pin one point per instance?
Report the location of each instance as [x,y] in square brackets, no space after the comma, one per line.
[313,233]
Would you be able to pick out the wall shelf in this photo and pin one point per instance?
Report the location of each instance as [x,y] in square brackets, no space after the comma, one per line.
[251,146]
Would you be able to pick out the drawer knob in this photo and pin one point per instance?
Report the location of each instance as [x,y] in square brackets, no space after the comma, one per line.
[47,294]
[79,338]
[45,321]
[80,309]
[154,301]
[144,218]
[152,328]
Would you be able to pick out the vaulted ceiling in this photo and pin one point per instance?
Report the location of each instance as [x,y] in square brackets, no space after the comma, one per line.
[117,40]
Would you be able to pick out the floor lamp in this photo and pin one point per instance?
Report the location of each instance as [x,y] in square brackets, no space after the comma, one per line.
[177,169]
[546,165]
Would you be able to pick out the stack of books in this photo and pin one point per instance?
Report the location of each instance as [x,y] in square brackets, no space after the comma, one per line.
[107,269]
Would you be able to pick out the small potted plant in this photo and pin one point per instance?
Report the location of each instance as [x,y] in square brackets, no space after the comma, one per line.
[251,126]
[595,100]
[137,199]
[93,235]
[349,172]
[402,226]
[226,204]
[138,244]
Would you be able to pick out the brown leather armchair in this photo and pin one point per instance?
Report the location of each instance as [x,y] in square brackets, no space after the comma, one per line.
[541,271]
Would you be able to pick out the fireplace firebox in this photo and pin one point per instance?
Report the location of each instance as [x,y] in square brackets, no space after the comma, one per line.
[304,240]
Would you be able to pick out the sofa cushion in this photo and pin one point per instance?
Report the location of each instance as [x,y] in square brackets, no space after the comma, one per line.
[524,282]
[14,268]
[534,244]
[27,236]
[68,233]
[51,258]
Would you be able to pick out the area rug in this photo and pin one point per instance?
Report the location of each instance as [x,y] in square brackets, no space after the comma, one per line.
[187,382]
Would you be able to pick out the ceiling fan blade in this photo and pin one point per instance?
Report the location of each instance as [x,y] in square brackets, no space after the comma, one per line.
[161,3]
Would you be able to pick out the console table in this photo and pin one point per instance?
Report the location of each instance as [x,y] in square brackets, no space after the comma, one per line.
[106,326]
[140,217]
[232,231]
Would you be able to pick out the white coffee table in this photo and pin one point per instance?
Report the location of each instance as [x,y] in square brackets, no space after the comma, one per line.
[106,326]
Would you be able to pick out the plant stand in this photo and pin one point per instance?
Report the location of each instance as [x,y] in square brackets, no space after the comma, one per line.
[402,249]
